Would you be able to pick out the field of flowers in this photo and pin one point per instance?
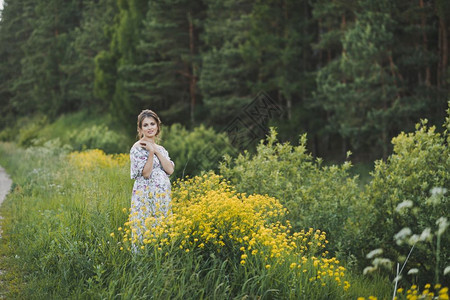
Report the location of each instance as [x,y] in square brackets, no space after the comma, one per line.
[68,233]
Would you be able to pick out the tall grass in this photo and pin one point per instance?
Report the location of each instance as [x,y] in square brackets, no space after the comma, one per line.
[61,227]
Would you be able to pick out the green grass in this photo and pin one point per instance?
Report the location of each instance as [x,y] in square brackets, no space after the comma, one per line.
[57,244]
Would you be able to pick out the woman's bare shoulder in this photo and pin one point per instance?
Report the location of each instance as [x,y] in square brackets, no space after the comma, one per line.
[135,146]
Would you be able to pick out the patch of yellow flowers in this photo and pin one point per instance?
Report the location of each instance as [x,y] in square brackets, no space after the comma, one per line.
[429,292]
[96,158]
[209,216]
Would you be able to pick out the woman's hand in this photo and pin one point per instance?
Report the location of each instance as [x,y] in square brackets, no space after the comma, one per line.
[149,146]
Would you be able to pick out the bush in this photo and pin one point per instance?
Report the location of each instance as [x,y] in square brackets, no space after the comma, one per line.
[98,137]
[318,196]
[29,130]
[77,131]
[409,195]
[194,151]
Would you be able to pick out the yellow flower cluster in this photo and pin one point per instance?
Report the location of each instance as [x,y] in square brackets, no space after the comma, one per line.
[209,215]
[413,293]
[96,158]
[325,270]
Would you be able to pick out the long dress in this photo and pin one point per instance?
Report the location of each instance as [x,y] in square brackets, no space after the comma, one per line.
[151,197]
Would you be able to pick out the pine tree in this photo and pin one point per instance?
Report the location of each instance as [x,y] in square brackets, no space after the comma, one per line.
[39,86]
[110,81]
[86,41]
[381,82]
[361,87]
[224,75]
[165,74]
[279,53]
[15,29]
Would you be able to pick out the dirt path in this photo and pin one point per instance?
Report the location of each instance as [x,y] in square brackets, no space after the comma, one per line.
[5,185]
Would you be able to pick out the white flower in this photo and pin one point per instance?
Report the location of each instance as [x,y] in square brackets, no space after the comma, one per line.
[438,191]
[413,271]
[443,224]
[447,270]
[374,253]
[369,269]
[385,262]
[404,204]
[426,235]
[402,234]
[413,239]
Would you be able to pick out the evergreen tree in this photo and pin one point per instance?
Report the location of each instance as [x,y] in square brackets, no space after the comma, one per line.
[279,53]
[110,81]
[361,87]
[165,73]
[15,29]
[39,86]
[225,76]
[381,82]
[419,59]
[332,18]
[87,40]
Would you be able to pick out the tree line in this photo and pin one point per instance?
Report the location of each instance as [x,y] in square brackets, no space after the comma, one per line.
[350,73]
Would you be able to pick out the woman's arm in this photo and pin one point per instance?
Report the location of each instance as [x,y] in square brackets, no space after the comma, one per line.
[165,163]
[148,166]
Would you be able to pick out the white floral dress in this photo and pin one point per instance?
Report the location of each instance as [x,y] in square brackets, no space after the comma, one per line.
[151,196]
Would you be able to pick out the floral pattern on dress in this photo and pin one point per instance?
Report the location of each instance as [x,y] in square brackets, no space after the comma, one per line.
[151,196]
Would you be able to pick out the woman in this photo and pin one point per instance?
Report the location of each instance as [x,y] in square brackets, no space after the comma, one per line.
[150,168]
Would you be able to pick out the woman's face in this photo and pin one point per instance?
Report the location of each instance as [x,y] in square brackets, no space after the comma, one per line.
[149,127]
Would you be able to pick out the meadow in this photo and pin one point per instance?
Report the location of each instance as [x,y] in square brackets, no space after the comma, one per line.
[278,224]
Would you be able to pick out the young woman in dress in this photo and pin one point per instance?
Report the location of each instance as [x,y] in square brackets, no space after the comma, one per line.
[150,168]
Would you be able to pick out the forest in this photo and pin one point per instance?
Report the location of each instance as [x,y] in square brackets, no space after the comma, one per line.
[351,74]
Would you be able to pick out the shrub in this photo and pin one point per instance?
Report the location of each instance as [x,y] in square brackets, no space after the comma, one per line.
[98,137]
[77,131]
[318,196]
[194,151]
[29,130]
[411,201]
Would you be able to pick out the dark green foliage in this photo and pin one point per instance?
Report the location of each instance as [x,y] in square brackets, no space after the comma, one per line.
[359,88]
[39,87]
[225,75]
[163,74]
[87,40]
[352,74]
[109,79]
[15,29]
[380,80]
